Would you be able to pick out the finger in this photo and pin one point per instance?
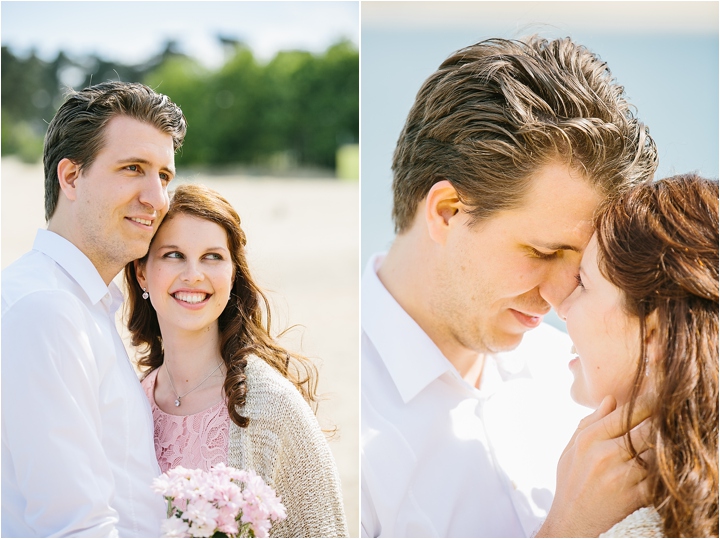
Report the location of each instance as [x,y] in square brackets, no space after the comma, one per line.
[629,473]
[615,423]
[607,405]
[643,489]
[635,491]
[636,479]
[648,457]
[641,437]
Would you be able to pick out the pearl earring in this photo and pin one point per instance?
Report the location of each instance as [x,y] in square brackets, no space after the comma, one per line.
[145,294]
[647,367]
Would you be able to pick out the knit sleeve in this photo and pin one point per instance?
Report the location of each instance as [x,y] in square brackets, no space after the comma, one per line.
[311,484]
[645,522]
[286,446]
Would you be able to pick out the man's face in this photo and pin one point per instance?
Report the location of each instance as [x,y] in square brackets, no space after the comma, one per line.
[122,197]
[499,277]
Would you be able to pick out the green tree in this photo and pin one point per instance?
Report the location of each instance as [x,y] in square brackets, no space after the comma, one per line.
[300,106]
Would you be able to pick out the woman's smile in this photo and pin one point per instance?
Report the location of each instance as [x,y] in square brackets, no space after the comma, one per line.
[188,266]
[190,298]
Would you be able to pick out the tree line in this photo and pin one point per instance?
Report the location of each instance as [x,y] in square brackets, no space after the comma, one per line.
[295,110]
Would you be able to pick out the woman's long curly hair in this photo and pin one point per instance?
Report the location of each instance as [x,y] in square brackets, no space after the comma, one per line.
[658,243]
[244,324]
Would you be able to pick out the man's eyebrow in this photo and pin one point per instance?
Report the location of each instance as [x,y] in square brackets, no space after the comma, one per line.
[557,246]
[143,161]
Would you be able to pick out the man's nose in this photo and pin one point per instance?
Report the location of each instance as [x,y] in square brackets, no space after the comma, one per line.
[562,309]
[559,284]
[154,193]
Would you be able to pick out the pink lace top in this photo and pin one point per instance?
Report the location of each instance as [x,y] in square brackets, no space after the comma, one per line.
[192,441]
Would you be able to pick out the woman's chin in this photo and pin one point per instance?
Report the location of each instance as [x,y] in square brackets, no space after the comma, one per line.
[579,395]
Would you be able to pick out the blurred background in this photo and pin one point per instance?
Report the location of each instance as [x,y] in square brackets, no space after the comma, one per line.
[271,94]
[664,53]
[280,103]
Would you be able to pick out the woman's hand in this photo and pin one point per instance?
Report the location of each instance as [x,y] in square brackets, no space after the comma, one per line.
[598,482]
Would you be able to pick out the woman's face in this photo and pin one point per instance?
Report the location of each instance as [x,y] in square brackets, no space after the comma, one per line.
[606,338]
[188,274]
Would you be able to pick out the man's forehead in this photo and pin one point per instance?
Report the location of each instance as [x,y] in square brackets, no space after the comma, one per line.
[559,209]
[127,135]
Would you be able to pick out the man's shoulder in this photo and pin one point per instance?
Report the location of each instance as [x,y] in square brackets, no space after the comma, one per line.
[36,281]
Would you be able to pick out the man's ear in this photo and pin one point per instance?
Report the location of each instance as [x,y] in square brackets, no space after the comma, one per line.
[140,273]
[442,205]
[68,172]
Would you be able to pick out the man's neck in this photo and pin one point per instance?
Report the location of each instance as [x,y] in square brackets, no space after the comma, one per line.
[473,376]
[406,276]
[56,225]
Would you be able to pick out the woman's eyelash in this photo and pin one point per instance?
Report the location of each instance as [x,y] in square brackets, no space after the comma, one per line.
[176,254]
[578,280]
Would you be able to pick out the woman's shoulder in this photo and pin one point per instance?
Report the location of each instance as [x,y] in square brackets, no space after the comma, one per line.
[270,392]
[265,376]
[148,385]
[645,522]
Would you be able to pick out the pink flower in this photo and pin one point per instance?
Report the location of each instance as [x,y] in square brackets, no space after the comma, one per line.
[202,513]
[201,530]
[227,520]
[202,503]
[175,527]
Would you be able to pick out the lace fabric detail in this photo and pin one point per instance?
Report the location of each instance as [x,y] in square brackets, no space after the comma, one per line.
[193,441]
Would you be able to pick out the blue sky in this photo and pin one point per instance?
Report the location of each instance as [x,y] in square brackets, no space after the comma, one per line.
[132,32]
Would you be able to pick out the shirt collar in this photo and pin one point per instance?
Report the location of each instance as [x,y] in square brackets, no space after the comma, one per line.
[410,356]
[78,267]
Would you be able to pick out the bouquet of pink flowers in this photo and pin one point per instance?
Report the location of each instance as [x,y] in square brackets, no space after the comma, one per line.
[224,502]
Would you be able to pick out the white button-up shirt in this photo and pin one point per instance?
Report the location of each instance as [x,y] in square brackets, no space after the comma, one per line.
[440,458]
[77,433]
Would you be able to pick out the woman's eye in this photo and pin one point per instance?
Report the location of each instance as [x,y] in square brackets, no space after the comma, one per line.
[579,282]
[133,168]
[213,256]
[173,254]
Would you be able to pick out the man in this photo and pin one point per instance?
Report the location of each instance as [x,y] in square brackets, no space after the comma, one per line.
[503,159]
[77,435]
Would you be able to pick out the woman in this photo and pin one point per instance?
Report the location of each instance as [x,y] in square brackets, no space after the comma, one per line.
[221,389]
[644,320]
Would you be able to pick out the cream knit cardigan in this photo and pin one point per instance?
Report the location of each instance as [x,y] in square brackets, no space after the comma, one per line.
[284,444]
[645,522]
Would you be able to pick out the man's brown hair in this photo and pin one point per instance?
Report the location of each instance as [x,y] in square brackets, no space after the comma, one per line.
[495,112]
[76,132]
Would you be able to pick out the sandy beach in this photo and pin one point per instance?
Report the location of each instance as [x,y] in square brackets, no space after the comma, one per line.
[303,241]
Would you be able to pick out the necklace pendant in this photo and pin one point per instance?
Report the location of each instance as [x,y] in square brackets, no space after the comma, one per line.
[177,402]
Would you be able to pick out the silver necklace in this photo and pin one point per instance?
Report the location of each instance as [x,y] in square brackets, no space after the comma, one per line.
[178,397]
